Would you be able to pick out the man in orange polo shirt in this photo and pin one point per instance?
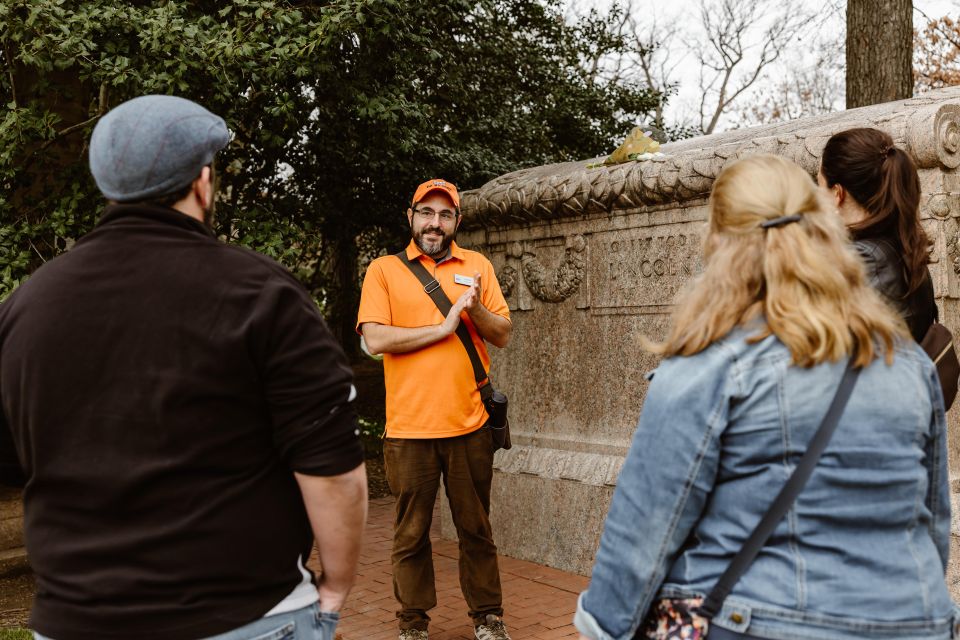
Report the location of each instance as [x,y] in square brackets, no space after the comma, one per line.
[436,422]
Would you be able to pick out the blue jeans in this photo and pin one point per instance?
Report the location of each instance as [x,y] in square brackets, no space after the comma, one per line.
[308,623]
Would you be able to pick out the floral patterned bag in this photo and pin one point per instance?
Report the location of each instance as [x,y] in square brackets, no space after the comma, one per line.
[674,619]
[678,619]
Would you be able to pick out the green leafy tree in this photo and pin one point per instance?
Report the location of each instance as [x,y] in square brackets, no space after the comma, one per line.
[67,63]
[339,110]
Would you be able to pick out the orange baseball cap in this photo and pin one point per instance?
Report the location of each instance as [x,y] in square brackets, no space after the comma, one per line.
[437,185]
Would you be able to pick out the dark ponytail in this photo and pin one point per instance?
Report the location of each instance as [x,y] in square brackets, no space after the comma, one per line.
[883,180]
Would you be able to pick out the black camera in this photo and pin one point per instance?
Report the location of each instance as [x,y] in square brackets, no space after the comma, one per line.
[496,405]
[497,408]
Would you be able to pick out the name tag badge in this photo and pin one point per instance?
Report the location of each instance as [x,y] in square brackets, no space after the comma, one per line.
[464,280]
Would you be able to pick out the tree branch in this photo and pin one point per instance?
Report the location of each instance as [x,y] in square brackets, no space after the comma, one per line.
[34,247]
[103,106]
[951,38]
[727,29]
[62,134]
[13,82]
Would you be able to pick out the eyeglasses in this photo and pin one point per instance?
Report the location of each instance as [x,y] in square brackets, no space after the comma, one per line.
[428,214]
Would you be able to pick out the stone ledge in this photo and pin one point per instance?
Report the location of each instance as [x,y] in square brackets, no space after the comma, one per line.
[552,522]
[595,469]
[926,126]
[11,533]
[11,518]
[14,562]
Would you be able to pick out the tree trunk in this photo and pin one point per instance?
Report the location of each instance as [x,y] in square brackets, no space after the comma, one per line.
[346,299]
[879,51]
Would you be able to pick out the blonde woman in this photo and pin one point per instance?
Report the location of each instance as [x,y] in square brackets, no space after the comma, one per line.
[755,355]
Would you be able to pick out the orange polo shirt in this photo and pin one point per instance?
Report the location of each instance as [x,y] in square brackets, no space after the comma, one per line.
[431,392]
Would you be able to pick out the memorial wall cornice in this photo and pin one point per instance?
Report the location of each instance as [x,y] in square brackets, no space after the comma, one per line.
[927,126]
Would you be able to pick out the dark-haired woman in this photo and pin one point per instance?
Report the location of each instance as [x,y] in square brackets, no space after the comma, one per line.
[877,192]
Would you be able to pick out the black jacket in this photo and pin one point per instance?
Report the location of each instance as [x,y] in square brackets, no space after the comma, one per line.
[886,272]
[161,388]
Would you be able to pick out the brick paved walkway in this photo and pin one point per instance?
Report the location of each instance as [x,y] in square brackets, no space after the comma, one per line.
[538,601]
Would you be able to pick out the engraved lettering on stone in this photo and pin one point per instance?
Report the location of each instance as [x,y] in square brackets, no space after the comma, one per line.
[641,270]
[564,281]
[670,259]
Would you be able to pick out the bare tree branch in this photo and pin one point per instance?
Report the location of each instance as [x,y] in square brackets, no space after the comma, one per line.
[735,45]
[653,59]
[729,27]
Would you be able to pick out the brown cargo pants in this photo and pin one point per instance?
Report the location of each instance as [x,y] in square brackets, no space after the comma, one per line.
[414,469]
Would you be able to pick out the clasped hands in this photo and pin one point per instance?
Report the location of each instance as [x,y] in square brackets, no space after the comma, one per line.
[468,301]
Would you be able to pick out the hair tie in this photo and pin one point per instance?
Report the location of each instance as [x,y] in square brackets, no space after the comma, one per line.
[887,152]
[779,222]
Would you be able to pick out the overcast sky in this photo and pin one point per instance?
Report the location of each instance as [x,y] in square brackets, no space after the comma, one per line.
[829,24]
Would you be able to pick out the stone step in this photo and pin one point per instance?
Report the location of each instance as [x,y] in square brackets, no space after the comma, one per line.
[11,519]
[13,562]
[11,533]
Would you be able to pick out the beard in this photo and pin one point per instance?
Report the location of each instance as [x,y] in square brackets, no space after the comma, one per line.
[434,248]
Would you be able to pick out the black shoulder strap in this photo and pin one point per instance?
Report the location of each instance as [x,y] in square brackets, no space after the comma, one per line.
[785,499]
[432,288]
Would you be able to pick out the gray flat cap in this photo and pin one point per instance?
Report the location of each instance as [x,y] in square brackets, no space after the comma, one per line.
[152,146]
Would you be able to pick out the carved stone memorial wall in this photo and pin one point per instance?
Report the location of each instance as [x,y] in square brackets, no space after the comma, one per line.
[590,259]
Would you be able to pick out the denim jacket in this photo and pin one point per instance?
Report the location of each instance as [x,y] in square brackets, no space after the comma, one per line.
[862,552]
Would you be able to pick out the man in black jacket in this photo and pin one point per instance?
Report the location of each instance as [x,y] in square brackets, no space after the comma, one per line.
[181,415]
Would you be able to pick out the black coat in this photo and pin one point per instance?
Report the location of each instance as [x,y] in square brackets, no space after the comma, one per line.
[886,272]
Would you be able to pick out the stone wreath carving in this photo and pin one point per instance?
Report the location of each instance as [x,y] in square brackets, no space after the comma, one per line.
[565,280]
[953,251]
[507,279]
[927,127]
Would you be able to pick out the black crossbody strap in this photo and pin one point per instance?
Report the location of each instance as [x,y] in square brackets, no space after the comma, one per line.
[432,288]
[785,499]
